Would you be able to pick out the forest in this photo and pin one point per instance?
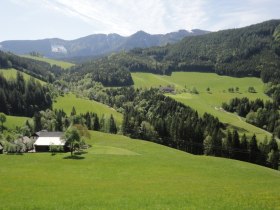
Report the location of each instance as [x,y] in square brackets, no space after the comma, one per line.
[23,98]
[38,69]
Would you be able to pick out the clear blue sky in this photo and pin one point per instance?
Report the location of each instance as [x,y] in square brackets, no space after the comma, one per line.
[70,19]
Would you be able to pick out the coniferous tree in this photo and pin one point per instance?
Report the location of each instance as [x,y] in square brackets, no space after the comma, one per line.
[236,145]
[244,148]
[73,112]
[112,125]
[96,125]
[253,149]
[273,155]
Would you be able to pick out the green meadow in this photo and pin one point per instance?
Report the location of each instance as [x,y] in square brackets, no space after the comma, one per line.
[12,74]
[14,121]
[62,64]
[121,173]
[83,105]
[208,101]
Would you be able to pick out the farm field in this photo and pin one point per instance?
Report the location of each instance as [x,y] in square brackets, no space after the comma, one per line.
[208,101]
[85,105]
[121,173]
[12,74]
[62,64]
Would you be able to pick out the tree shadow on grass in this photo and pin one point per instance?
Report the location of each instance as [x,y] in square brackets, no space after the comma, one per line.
[18,153]
[74,157]
[80,153]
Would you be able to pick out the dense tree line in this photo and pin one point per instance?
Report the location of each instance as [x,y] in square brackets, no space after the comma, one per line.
[38,69]
[104,70]
[23,98]
[246,149]
[259,113]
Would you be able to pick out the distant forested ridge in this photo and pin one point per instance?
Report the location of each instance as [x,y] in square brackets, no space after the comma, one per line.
[108,71]
[37,69]
[249,51]
[95,45]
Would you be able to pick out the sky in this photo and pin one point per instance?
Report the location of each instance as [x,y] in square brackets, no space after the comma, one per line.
[71,19]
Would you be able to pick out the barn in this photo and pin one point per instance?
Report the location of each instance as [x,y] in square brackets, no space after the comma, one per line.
[45,139]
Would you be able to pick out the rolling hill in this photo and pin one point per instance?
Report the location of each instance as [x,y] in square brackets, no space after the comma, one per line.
[94,45]
[121,173]
[208,101]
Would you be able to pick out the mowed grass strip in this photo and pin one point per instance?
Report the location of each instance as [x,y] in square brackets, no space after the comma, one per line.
[151,176]
[62,64]
[85,105]
[209,101]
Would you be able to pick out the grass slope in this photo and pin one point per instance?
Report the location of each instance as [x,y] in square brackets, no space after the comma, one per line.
[12,74]
[120,173]
[14,121]
[84,105]
[62,64]
[209,101]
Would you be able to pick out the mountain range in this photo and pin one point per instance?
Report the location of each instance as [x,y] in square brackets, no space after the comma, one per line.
[94,45]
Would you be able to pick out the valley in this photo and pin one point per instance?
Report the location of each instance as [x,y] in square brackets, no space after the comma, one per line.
[183,120]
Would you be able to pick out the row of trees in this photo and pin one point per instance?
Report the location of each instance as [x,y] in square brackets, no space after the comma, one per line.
[58,120]
[232,146]
[23,98]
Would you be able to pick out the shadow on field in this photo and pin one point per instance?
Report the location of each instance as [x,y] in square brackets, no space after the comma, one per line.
[80,153]
[17,153]
[74,157]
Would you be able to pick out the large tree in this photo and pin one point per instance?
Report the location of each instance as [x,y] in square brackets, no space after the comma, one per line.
[72,138]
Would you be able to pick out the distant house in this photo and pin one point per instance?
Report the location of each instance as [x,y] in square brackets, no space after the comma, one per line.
[46,139]
[167,89]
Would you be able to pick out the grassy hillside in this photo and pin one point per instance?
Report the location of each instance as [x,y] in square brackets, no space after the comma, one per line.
[120,173]
[13,121]
[208,101]
[84,105]
[12,74]
[62,64]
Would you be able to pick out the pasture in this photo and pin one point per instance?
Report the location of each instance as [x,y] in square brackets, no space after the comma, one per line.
[120,173]
[15,121]
[209,101]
